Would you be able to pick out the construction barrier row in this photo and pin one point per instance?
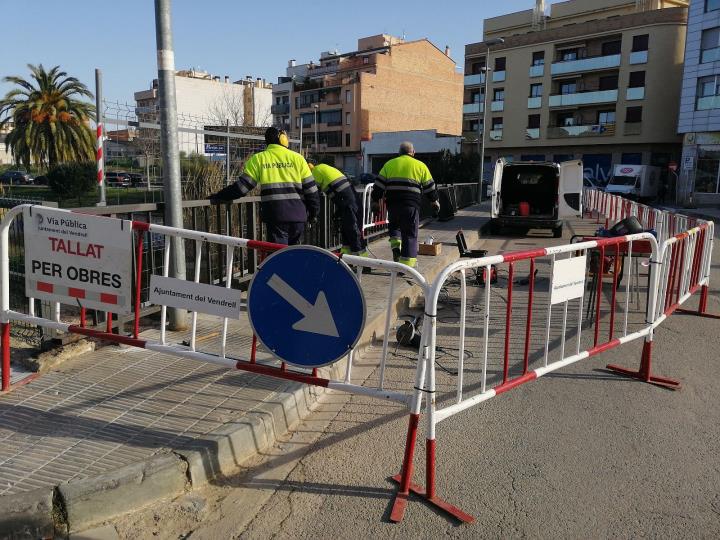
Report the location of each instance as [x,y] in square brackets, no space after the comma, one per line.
[512,318]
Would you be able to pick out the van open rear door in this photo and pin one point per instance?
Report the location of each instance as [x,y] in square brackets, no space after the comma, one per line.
[496,186]
[570,189]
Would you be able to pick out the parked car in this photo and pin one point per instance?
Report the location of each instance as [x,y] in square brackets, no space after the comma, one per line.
[15,178]
[137,180]
[117,179]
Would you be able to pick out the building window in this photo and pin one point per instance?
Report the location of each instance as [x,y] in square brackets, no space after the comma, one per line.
[536,90]
[633,115]
[707,175]
[633,158]
[366,60]
[286,99]
[712,5]
[708,90]
[331,118]
[500,63]
[637,79]
[567,55]
[640,43]
[475,96]
[710,45]
[474,125]
[347,118]
[499,94]
[609,82]
[533,121]
[497,123]
[611,47]
[277,100]
[348,96]
[606,117]
[297,122]
[477,68]
[347,139]
[564,119]
[569,87]
[538,57]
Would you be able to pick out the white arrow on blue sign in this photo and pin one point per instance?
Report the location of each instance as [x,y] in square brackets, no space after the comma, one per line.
[306,306]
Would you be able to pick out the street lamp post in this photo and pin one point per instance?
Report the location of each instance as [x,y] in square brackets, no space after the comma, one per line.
[481,132]
[315,109]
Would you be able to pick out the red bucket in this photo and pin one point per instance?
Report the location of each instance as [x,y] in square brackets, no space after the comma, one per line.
[525,209]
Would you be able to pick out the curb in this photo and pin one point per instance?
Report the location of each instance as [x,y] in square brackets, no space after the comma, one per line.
[79,505]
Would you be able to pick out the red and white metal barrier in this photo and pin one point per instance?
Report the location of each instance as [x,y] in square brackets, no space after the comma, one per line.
[246,362]
[373,224]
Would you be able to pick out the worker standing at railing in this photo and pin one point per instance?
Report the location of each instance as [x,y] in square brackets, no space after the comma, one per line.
[288,193]
[335,184]
[403,181]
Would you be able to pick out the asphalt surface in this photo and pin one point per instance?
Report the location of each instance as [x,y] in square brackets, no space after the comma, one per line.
[579,453]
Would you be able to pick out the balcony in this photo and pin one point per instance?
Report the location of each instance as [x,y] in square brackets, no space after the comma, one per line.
[635,93]
[590,130]
[707,102]
[498,76]
[532,133]
[475,80]
[534,102]
[638,57]
[537,71]
[470,136]
[585,64]
[632,128]
[584,98]
[496,134]
[473,108]
[280,108]
[497,106]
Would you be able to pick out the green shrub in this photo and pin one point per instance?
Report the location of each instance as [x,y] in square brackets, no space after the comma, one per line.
[72,180]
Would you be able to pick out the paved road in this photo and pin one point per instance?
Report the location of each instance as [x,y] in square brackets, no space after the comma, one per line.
[579,453]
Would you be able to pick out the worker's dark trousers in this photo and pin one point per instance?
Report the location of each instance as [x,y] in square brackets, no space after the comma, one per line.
[288,233]
[403,223]
[351,229]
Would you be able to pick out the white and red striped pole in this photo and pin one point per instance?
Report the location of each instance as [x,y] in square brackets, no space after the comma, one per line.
[99,156]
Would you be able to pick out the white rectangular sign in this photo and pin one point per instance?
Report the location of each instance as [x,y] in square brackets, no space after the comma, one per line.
[78,259]
[568,279]
[200,297]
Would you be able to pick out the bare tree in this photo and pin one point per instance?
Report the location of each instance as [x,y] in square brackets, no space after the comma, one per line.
[228,106]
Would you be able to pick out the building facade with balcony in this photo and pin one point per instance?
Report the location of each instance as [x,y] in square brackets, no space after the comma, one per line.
[386,85]
[592,80]
[699,119]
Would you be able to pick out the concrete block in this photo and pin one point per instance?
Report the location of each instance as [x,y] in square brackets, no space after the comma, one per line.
[93,500]
[27,515]
[106,532]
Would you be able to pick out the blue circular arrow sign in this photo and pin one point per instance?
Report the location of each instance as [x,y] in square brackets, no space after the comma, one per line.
[306,306]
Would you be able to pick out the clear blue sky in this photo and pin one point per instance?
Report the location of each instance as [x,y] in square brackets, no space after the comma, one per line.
[224,37]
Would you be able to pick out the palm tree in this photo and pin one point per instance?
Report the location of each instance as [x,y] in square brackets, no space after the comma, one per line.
[49,124]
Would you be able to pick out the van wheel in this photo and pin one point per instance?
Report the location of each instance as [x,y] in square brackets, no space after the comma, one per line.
[557,232]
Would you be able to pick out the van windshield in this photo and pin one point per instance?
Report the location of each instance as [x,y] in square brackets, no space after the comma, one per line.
[623,180]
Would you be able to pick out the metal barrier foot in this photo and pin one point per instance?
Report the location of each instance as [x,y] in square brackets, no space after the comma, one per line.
[697,314]
[401,499]
[643,374]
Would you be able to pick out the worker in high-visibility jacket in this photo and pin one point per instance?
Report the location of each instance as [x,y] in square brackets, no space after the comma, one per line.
[403,181]
[335,184]
[289,197]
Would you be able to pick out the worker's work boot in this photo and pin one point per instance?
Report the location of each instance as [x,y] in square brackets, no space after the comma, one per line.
[396,254]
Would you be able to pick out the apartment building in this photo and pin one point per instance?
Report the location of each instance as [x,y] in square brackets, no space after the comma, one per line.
[281,94]
[699,119]
[597,80]
[199,94]
[387,84]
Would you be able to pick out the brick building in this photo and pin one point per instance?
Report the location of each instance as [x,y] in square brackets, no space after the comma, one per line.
[387,84]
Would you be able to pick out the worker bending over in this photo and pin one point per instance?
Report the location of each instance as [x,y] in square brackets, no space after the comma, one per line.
[333,182]
[404,180]
[288,193]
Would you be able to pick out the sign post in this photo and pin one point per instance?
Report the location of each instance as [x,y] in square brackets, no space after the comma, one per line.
[78,259]
[306,306]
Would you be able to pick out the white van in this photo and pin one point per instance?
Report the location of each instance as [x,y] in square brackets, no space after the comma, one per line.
[639,182]
[536,195]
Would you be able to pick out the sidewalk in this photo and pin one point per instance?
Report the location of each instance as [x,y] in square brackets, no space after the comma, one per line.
[117,428]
